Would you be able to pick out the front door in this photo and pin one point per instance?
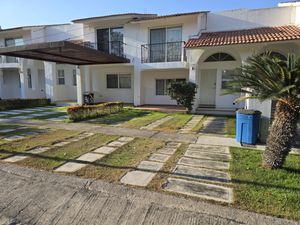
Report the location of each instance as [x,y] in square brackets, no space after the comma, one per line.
[41,83]
[208,87]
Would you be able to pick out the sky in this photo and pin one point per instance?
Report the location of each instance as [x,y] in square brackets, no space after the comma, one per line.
[16,13]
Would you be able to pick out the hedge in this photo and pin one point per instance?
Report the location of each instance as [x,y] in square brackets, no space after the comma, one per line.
[77,113]
[22,103]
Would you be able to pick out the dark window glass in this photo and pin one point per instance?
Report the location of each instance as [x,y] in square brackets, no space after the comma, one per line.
[160,87]
[112,80]
[103,40]
[116,38]
[219,57]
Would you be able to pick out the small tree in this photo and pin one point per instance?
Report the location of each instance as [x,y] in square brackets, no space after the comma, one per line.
[184,93]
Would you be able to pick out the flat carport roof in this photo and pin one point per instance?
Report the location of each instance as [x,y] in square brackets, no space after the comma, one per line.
[62,52]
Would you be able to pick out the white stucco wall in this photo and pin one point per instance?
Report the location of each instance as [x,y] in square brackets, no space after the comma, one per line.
[149,86]
[99,85]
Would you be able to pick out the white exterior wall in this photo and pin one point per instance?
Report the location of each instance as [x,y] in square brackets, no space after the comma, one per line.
[148,85]
[99,85]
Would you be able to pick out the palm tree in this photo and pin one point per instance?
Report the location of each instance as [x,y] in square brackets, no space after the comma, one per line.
[268,77]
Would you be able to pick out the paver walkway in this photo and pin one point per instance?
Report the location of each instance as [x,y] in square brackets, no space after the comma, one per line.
[156,123]
[147,169]
[93,156]
[37,197]
[188,128]
[214,125]
[199,165]
[41,149]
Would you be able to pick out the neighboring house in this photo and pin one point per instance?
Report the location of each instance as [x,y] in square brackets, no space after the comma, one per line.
[25,78]
[201,47]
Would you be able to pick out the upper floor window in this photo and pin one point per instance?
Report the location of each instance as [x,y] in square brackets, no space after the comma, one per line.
[220,57]
[166,44]
[13,42]
[110,40]
[61,77]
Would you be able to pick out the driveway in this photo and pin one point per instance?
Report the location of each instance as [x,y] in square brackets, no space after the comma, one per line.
[35,197]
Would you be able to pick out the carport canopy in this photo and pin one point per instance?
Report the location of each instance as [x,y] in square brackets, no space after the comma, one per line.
[64,52]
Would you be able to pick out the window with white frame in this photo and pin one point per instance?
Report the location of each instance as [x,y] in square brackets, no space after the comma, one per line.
[226,77]
[161,85]
[29,78]
[74,78]
[61,77]
[122,81]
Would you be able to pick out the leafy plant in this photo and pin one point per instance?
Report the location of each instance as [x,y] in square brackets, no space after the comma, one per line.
[267,77]
[184,93]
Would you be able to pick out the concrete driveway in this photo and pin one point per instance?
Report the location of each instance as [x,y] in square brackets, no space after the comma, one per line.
[35,197]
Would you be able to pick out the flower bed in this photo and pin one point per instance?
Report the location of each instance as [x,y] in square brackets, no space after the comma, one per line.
[77,113]
[22,103]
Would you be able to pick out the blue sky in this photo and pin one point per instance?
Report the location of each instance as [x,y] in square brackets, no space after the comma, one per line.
[33,12]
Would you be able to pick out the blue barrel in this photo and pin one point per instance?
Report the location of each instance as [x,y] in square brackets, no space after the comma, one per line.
[247,126]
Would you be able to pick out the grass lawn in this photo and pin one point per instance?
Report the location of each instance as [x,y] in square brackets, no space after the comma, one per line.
[273,192]
[231,127]
[112,167]
[43,139]
[174,124]
[57,156]
[126,115]
[144,120]
[199,126]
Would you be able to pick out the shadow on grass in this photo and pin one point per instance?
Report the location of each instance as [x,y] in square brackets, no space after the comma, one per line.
[99,164]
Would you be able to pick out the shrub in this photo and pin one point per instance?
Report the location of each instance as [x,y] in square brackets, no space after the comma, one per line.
[184,93]
[22,103]
[77,113]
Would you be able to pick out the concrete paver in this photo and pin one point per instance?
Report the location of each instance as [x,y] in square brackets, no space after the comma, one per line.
[70,167]
[185,161]
[207,155]
[159,157]
[137,178]
[90,157]
[156,123]
[149,165]
[191,124]
[105,150]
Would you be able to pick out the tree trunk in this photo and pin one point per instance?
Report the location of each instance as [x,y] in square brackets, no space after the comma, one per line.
[282,136]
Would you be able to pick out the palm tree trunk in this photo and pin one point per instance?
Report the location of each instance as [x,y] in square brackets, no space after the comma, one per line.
[282,136]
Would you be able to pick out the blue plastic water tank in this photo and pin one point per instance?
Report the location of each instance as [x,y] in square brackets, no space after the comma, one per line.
[247,126]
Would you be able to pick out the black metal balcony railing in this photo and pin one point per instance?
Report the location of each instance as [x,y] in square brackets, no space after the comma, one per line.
[113,47]
[163,52]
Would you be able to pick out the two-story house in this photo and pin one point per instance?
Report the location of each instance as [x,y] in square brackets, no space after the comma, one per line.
[25,78]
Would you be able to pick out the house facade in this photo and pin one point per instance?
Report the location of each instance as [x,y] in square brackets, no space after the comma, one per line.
[201,47]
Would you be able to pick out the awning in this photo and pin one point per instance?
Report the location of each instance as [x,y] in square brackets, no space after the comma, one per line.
[62,52]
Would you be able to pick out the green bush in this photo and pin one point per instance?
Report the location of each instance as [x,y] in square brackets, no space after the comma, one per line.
[77,113]
[22,103]
[184,93]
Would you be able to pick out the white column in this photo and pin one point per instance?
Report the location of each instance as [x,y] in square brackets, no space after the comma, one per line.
[194,78]
[23,78]
[137,85]
[87,79]
[50,80]
[1,83]
[80,84]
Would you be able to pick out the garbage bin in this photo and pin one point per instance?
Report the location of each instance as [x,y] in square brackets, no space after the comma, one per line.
[247,126]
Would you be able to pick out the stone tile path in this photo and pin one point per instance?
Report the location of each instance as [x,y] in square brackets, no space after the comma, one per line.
[214,125]
[147,169]
[40,149]
[201,164]
[93,156]
[156,123]
[191,124]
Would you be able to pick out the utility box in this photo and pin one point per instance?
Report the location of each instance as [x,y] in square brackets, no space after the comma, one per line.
[247,126]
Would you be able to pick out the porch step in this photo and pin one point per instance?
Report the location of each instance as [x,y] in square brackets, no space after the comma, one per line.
[215,111]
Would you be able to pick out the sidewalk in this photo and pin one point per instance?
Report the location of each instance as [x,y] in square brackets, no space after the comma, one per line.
[34,197]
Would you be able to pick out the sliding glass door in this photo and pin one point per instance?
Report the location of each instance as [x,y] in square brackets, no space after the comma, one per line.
[157,45]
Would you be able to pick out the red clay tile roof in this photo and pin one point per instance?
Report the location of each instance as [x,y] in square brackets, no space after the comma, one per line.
[257,35]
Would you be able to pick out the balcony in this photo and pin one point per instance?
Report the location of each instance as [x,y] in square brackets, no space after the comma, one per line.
[163,52]
[9,62]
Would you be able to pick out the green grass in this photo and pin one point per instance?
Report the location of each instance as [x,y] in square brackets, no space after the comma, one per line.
[199,126]
[112,167]
[144,120]
[58,114]
[174,124]
[231,127]
[273,192]
[57,156]
[124,116]
[43,139]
